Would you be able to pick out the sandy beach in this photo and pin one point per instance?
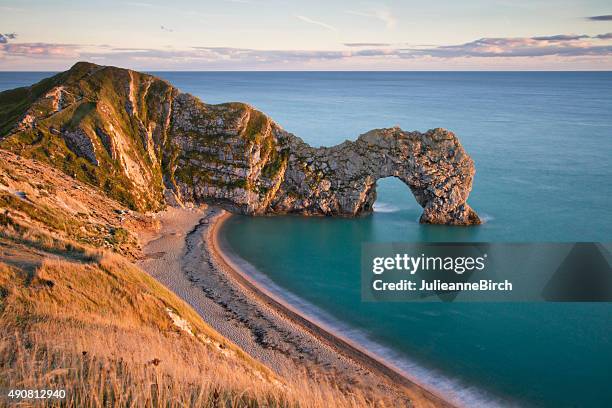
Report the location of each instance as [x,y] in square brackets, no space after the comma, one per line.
[186,255]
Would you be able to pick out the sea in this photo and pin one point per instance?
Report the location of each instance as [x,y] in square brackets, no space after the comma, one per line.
[542,146]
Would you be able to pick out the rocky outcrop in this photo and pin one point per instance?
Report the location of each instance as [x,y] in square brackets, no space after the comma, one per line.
[78,141]
[342,179]
[147,144]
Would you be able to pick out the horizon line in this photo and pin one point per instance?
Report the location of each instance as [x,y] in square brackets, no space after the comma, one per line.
[323,70]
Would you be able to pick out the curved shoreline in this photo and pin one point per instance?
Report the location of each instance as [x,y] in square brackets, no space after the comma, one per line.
[216,246]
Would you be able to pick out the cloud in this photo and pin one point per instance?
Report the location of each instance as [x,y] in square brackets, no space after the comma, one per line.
[366,44]
[559,45]
[315,22]
[382,14]
[40,50]
[246,54]
[607,17]
[565,47]
[561,37]
[8,36]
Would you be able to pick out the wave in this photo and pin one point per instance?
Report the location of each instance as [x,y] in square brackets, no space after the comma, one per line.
[454,390]
[485,218]
[385,208]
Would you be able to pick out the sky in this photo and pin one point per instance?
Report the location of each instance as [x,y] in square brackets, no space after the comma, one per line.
[307,35]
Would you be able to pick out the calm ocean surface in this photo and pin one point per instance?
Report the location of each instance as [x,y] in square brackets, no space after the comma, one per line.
[541,143]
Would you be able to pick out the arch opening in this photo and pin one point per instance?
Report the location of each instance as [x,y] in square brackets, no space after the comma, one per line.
[393,195]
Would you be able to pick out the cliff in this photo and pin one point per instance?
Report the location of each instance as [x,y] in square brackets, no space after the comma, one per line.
[146,144]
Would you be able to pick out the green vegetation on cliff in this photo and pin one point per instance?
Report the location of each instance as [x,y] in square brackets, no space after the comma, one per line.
[64,120]
[133,136]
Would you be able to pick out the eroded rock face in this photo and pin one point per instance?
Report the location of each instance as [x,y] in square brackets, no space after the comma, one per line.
[237,157]
[78,141]
[145,142]
[341,180]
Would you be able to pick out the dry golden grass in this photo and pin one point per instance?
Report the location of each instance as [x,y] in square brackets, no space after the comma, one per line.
[49,200]
[110,335]
[19,232]
[88,321]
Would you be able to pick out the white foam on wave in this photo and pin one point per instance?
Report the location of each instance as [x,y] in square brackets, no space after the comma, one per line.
[385,208]
[484,217]
[454,390]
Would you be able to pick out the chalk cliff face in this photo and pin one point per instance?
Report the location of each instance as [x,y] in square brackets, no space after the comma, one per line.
[147,144]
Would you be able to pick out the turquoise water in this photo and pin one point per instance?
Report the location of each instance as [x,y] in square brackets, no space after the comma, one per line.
[541,143]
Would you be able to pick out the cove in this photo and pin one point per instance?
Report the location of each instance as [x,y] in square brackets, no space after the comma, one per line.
[540,143]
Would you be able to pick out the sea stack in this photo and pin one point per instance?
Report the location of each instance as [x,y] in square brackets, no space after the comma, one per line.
[149,145]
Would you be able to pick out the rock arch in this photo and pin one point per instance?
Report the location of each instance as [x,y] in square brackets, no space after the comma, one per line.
[341,180]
